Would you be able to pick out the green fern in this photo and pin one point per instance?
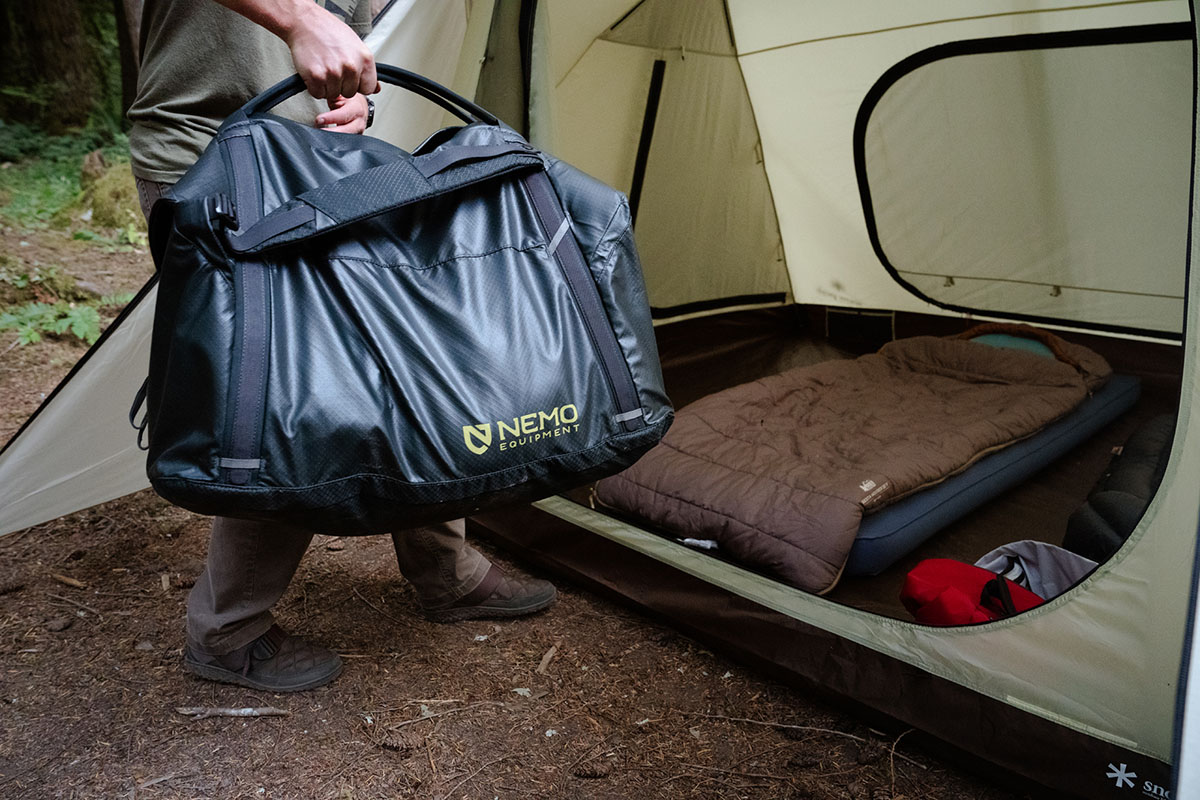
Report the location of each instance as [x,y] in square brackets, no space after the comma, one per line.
[33,319]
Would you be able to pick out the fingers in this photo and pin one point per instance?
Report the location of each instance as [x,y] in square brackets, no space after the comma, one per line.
[349,85]
[340,113]
[343,77]
[368,82]
[357,126]
[345,115]
[330,57]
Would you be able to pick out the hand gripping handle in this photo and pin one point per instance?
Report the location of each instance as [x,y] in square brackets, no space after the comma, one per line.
[456,104]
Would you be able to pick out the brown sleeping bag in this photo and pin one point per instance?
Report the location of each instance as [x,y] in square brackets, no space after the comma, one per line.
[779,471]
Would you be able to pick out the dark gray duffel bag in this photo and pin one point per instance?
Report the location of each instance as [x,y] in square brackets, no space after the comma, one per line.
[355,339]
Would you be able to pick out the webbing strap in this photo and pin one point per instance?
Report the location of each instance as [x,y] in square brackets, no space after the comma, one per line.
[448,157]
[380,189]
[558,235]
[591,308]
[253,322]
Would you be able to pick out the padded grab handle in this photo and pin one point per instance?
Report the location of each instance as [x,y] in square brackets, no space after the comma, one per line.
[387,187]
[456,104]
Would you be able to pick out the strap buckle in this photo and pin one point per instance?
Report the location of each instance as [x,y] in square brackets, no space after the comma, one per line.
[221,208]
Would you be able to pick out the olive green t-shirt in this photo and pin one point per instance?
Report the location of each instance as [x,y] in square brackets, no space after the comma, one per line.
[200,62]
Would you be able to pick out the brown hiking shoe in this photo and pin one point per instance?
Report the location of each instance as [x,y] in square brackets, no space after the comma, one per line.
[275,662]
[498,596]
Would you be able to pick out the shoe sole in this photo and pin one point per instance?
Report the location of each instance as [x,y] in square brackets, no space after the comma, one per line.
[220,675]
[488,612]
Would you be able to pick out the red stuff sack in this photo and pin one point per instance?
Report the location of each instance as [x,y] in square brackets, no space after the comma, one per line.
[941,591]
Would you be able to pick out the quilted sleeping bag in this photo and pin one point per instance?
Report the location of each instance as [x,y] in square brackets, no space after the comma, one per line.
[779,472]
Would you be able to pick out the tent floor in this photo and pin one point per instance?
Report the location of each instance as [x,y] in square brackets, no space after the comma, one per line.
[703,356]
[715,353]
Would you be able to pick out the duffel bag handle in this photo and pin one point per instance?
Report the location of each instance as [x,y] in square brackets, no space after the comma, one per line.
[456,104]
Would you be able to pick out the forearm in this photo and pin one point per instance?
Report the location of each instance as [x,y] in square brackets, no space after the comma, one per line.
[281,17]
[329,56]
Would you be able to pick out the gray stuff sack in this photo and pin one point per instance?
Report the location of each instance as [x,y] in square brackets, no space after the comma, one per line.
[1042,568]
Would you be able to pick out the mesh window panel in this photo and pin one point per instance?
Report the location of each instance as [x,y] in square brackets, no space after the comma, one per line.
[1045,183]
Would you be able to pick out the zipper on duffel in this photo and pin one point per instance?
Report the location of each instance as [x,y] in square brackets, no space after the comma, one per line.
[569,257]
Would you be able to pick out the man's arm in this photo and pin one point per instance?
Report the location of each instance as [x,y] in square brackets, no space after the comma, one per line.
[329,56]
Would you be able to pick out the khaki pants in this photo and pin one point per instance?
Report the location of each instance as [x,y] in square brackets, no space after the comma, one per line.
[250,564]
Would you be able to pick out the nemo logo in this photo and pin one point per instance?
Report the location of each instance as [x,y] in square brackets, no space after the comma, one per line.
[523,430]
[478,437]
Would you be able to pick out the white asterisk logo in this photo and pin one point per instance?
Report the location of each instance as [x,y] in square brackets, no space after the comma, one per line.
[1121,775]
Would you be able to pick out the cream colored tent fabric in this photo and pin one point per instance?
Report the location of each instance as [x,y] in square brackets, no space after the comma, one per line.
[808,67]
[1102,659]
[79,450]
[754,151]
[706,226]
[1028,182]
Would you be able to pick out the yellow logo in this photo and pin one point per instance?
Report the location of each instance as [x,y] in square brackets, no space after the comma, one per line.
[524,429]
[478,437]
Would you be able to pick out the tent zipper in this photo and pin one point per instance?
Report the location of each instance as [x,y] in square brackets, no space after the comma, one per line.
[565,250]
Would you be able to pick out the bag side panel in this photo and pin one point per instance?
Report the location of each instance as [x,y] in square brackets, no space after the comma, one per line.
[190,353]
[602,223]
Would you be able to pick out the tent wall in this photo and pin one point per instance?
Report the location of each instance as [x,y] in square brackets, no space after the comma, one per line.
[1100,661]
[657,107]
[809,66]
[1037,175]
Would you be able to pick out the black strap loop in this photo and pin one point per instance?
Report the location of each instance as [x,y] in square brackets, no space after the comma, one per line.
[139,400]
[383,188]
[997,597]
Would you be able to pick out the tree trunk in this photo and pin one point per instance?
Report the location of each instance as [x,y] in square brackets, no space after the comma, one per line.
[129,17]
[58,60]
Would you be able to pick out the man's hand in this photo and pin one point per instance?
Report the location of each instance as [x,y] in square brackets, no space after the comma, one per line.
[329,56]
[347,115]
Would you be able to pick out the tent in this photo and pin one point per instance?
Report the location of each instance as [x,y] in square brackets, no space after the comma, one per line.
[816,171]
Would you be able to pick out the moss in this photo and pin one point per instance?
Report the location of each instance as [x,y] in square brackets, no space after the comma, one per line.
[113,199]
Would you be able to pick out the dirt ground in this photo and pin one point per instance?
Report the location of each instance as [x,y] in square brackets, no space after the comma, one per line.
[586,700]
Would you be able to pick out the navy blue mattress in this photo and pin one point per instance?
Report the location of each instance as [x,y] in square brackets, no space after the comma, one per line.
[896,530]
